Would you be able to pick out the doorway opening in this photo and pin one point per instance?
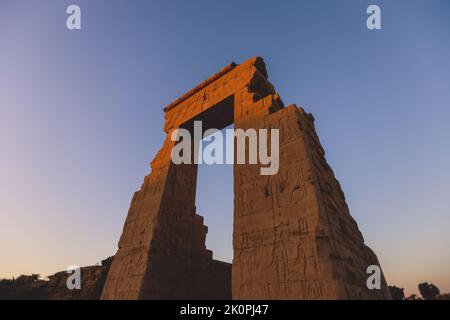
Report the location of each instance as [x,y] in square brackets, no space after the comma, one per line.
[215,202]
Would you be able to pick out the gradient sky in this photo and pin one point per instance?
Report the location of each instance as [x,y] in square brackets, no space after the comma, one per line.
[81,118]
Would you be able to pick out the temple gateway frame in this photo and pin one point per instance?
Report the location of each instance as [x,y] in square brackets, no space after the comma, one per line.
[293,236]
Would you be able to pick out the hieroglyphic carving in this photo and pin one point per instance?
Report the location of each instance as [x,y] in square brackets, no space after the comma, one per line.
[307,260]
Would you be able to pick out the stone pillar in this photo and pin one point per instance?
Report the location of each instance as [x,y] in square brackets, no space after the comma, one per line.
[162,238]
[293,235]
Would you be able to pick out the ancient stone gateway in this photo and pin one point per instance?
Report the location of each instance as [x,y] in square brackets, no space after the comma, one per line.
[293,236]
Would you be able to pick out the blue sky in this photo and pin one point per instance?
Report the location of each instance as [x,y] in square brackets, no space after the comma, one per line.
[81,118]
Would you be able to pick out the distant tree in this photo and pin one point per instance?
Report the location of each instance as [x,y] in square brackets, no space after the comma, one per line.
[24,279]
[397,293]
[428,291]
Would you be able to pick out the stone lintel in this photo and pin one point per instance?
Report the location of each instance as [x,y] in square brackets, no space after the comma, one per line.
[213,90]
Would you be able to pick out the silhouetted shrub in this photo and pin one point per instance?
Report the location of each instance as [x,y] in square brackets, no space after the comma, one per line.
[428,291]
[23,288]
[413,297]
[397,293]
